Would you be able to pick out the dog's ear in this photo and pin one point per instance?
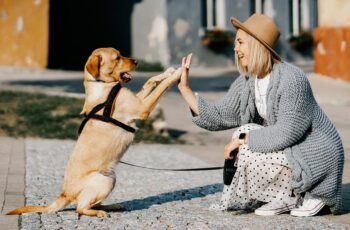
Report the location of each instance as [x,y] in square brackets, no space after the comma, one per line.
[93,65]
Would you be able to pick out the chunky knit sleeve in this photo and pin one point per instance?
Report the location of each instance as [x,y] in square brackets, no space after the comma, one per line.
[222,114]
[293,116]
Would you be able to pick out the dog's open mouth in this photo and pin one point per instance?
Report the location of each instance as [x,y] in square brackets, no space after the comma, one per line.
[126,77]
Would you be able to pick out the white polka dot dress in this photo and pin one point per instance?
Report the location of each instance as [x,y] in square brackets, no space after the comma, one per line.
[260,177]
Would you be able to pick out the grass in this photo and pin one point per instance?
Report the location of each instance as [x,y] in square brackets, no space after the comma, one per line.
[145,66]
[39,115]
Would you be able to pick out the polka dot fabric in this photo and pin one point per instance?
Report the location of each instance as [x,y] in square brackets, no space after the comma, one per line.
[260,177]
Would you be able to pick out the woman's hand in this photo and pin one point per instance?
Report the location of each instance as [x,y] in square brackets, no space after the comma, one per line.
[184,85]
[186,63]
[231,146]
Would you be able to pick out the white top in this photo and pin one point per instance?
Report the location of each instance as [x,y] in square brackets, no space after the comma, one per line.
[260,94]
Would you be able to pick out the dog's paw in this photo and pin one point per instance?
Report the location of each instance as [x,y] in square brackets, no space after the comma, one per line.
[176,74]
[169,71]
[101,214]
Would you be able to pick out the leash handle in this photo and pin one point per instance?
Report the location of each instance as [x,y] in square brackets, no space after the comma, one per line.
[176,170]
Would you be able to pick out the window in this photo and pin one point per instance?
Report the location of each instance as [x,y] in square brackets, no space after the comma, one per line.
[265,7]
[302,14]
[213,14]
[295,17]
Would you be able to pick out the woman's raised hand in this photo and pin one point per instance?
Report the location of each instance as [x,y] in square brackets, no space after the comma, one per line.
[186,63]
[184,85]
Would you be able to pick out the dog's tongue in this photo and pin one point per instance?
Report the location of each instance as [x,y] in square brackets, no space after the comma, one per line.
[126,77]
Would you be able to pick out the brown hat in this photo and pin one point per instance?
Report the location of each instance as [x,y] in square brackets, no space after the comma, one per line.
[262,28]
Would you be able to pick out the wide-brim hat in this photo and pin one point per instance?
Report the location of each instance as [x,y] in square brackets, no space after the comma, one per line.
[262,28]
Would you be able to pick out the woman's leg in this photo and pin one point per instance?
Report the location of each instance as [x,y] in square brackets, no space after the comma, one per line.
[259,177]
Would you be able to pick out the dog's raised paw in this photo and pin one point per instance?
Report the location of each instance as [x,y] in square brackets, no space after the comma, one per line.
[169,71]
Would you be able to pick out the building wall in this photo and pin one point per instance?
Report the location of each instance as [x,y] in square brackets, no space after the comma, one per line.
[280,12]
[334,13]
[154,40]
[150,31]
[185,35]
[24,33]
[239,9]
[332,54]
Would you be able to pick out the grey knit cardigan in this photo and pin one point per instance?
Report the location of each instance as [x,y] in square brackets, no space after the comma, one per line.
[295,123]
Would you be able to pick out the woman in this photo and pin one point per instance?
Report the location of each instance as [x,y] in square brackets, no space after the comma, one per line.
[290,154]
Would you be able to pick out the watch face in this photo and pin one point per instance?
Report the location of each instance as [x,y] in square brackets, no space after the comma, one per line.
[241,136]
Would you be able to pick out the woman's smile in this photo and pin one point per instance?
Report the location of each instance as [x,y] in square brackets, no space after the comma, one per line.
[241,47]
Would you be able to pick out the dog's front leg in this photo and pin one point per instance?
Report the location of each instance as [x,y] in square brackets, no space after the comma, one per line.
[152,99]
[152,83]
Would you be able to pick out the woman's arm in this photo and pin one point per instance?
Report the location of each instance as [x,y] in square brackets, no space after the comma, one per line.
[184,86]
[219,115]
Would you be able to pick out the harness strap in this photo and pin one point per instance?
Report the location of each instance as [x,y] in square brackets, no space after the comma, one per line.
[110,100]
[106,117]
[113,121]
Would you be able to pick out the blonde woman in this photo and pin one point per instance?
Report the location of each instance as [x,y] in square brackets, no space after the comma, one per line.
[290,156]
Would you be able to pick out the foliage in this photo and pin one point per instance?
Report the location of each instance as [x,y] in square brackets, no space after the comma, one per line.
[217,39]
[145,66]
[302,42]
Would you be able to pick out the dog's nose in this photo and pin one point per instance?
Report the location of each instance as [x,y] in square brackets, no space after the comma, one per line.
[135,62]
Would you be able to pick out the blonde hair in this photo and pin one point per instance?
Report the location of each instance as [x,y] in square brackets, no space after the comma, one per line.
[260,61]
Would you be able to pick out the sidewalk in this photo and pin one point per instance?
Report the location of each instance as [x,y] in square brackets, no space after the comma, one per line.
[12,171]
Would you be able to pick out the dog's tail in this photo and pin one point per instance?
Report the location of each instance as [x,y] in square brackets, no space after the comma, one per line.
[60,202]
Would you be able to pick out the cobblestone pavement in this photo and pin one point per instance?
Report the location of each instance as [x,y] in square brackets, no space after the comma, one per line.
[151,199]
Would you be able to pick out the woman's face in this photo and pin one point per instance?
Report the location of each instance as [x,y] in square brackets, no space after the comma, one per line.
[241,47]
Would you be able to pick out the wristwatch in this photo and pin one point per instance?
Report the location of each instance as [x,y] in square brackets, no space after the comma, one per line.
[241,138]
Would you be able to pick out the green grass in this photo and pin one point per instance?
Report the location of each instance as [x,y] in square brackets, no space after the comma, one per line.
[145,66]
[39,115]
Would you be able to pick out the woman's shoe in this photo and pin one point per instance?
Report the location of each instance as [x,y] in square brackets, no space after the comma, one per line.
[310,207]
[274,208]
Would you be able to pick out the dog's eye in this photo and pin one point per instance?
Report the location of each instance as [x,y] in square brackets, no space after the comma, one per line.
[117,58]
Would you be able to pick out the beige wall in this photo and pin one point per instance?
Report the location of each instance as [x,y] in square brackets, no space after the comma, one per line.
[24,33]
[334,12]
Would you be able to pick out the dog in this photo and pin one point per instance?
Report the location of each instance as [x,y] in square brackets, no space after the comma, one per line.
[89,176]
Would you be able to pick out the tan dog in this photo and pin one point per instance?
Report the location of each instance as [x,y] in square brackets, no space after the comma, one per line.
[89,176]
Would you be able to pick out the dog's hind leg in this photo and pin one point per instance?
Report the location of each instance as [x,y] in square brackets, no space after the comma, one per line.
[96,189]
[61,202]
[85,209]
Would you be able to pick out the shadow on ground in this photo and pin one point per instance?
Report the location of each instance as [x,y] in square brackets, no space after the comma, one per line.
[179,195]
[346,198]
[188,194]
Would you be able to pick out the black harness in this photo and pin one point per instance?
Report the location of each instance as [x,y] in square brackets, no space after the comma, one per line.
[107,112]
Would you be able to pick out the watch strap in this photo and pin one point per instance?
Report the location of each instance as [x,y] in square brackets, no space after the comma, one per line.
[241,138]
